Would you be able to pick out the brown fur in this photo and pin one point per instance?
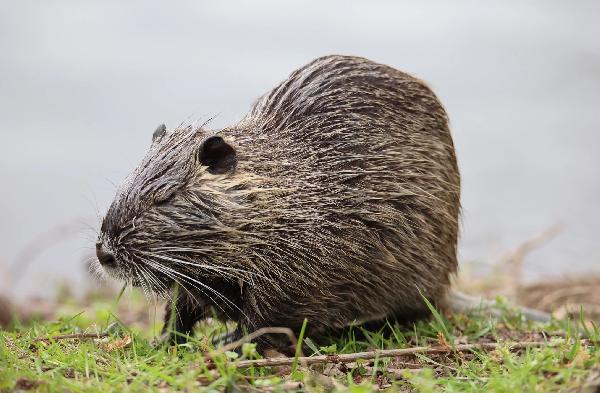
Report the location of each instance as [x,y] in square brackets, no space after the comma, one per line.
[335,199]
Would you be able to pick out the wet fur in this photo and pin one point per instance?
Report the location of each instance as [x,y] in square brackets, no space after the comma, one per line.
[340,204]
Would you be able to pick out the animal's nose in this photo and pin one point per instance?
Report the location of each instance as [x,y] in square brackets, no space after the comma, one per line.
[105,257]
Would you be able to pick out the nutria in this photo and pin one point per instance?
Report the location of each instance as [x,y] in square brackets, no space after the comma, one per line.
[336,199]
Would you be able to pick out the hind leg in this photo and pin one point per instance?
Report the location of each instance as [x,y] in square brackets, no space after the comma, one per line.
[269,343]
[228,338]
[384,326]
[265,345]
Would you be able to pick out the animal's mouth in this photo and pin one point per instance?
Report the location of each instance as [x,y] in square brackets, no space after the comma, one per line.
[130,275]
[111,270]
[112,266]
[105,256]
[131,269]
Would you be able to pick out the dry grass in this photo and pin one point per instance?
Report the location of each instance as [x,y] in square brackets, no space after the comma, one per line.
[562,296]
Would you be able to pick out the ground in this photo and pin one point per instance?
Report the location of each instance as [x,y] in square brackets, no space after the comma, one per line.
[509,354]
[107,342]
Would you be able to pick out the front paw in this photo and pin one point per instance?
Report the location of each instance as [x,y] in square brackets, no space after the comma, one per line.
[169,338]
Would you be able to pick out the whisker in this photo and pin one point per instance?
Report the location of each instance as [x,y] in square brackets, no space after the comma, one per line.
[207,287]
[162,270]
[219,269]
[138,274]
[191,295]
[161,287]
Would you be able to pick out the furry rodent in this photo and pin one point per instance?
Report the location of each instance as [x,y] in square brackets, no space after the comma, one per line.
[336,199]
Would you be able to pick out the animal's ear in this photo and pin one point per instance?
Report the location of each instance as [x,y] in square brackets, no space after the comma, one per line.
[217,155]
[160,131]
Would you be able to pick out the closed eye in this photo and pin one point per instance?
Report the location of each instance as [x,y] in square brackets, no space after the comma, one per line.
[162,198]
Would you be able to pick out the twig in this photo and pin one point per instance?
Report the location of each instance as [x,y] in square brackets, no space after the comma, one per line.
[558,296]
[286,387]
[80,336]
[260,332]
[385,353]
[512,263]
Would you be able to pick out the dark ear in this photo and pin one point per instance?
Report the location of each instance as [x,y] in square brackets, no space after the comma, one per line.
[160,131]
[217,155]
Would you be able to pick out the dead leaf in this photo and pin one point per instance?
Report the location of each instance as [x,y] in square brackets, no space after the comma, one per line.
[117,344]
[442,340]
[26,384]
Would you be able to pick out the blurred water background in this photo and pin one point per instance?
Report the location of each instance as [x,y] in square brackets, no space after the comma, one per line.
[83,85]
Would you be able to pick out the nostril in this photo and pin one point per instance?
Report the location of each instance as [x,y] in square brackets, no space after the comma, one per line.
[104,257]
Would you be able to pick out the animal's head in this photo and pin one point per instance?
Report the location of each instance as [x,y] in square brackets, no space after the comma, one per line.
[166,221]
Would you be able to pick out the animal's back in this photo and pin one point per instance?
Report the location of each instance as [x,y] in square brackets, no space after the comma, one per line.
[359,189]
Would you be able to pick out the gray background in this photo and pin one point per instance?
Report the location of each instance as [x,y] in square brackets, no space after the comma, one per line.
[84,84]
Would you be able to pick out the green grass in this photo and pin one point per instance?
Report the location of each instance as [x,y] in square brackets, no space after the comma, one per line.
[127,360]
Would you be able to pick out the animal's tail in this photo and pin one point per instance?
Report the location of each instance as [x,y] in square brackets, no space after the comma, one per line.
[460,302]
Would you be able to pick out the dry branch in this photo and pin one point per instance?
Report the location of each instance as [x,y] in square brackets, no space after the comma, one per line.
[512,264]
[385,353]
[80,336]
[260,332]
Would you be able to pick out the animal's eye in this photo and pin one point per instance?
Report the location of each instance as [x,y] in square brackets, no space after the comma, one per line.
[162,198]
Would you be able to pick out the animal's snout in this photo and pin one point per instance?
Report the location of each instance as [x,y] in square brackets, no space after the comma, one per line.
[105,257]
